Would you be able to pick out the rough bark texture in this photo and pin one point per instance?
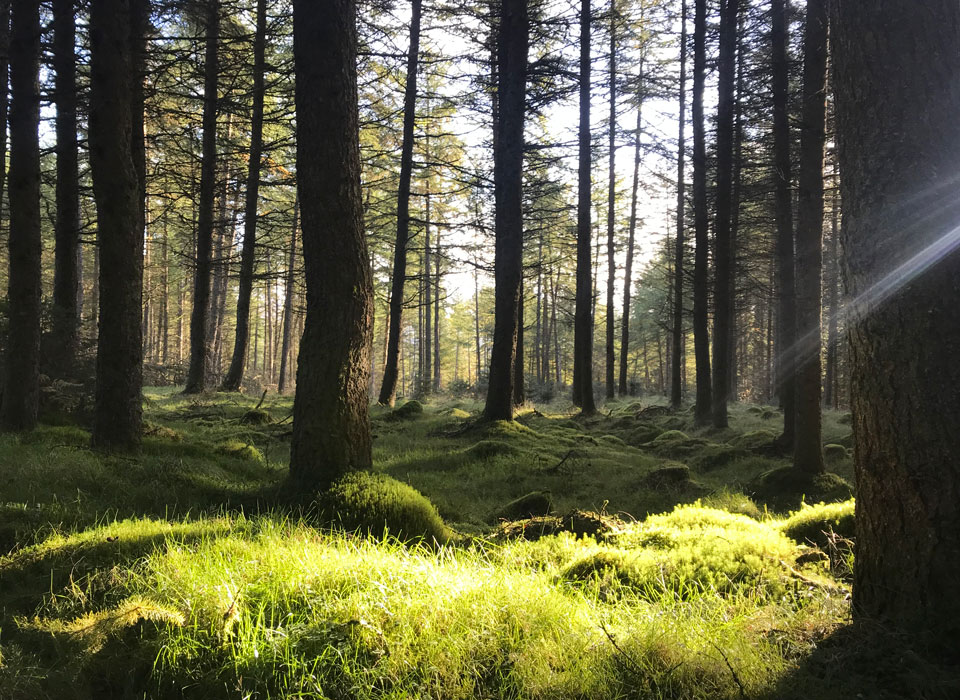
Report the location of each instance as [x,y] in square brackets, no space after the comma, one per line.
[248,251]
[198,373]
[388,389]
[508,188]
[116,188]
[897,99]
[331,425]
[18,410]
[282,380]
[66,273]
[611,359]
[807,448]
[723,259]
[583,313]
[783,213]
[676,349]
[4,80]
[701,340]
[623,387]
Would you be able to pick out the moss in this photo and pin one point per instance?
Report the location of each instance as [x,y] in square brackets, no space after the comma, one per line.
[641,434]
[669,436]
[671,475]
[846,440]
[755,439]
[813,524]
[834,453]
[733,502]
[845,419]
[715,456]
[787,488]
[509,429]
[255,417]
[532,505]
[756,410]
[376,503]
[769,415]
[486,449]
[408,411]
[161,431]
[241,450]
[459,414]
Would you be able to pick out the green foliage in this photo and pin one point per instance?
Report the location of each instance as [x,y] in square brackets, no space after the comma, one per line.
[411,410]
[814,523]
[733,501]
[241,450]
[754,439]
[486,449]
[787,488]
[377,504]
[530,505]
[834,453]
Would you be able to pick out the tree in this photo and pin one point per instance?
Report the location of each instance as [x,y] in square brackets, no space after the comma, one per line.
[512,37]
[895,68]
[18,410]
[583,316]
[611,359]
[388,389]
[701,340]
[331,425]
[116,188]
[807,449]
[235,373]
[66,279]
[198,373]
[676,349]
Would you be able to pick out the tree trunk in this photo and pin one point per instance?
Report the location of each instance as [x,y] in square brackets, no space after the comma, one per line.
[583,316]
[198,375]
[331,425]
[611,359]
[833,297]
[66,276]
[248,251]
[895,68]
[436,316]
[288,302]
[722,300]
[18,410]
[512,42]
[519,388]
[701,340]
[676,354]
[426,378]
[808,449]
[783,212]
[388,389]
[117,190]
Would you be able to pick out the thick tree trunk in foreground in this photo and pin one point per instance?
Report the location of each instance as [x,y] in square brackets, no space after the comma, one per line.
[66,275]
[807,448]
[331,425]
[583,314]
[896,67]
[723,262]
[783,213]
[198,374]
[508,183]
[116,188]
[18,410]
[248,251]
[388,389]
[701,340]
[676,349]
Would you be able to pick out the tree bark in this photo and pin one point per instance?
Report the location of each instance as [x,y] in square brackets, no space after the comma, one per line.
[583,313]
[701,340]
[388,389]
[331,425]
[895,67]
[676,350]
[198,374]
[248,251]
[723,261]
[116,188]
[783,212]
[512,41]
[808,448]
[288,302]
[611,359]
[18,409]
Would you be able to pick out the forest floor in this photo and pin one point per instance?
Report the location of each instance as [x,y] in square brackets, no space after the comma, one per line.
[628,555]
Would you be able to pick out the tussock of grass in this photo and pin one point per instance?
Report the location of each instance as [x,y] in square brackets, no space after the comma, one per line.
[241,450]
[813,523]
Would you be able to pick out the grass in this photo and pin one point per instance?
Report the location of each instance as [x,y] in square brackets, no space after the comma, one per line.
[178,573]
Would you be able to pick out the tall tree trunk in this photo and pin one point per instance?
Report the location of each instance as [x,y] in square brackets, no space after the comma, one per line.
[783,211]
[833,296]
[117,190]
[248,251]
[583,314]
[4,82]
[733,358]
[331,425]
[198,375]
[436,316]
[808,450]
[476,317]
[288,302]
[701,340]
[18,409]
[388,389]
[519,387]
[722,300]
[66,276]
[676,354]
[611,209]
[426,379]
[512,42]
[896,66]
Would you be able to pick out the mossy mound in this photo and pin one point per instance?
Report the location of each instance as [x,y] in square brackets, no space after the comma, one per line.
[669,436]
[241,450]
[532,505]
[256,416]
[769,415]
[733,502]
[408,411]
[845,419]
[834,453]
[786,488]
[814,524]
[755,439]
[459,414]
[716,456]
[846,440]
[670,475]
[375,504]
[641,434]
[579,523]
[486,449]
[675,444]
[509,429]
[161,431]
